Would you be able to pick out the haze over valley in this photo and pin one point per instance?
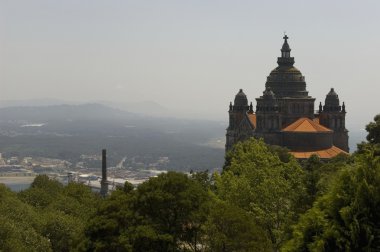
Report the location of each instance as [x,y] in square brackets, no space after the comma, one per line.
[68,131]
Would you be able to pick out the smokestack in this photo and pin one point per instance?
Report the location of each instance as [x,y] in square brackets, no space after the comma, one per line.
[104,164]
[104,183]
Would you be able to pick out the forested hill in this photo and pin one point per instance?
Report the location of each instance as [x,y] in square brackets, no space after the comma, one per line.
[66,131]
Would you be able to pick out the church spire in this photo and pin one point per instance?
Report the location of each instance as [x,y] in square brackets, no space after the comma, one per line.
[285,50]
[285,59]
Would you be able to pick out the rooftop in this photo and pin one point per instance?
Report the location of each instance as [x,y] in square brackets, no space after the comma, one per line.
[306,125]
[323,154]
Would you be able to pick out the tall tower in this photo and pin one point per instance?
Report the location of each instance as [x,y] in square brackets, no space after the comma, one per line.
[236,113]
[333,116]
[104,182]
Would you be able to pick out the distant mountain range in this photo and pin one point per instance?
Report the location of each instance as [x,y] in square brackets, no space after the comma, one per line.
[31,103]
[147,108]
[63,112]
[67,131]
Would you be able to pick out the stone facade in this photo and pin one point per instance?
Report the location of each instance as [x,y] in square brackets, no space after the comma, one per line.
[285,114]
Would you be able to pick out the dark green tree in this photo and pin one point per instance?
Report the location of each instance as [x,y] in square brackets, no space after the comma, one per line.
[203,178]
[230,228]
[108,230]
[171,210]
[347,217]
[165,213]
[64,232]
[373,129]
[21,225]
[319,174]
[312,167]
[373,138]
[42,192]
[63,211]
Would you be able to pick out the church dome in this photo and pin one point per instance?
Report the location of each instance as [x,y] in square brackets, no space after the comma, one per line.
[286,80]
[241,99]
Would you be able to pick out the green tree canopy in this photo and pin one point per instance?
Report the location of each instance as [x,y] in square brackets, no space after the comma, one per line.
[63,211]
[373,129]
[165,213]
[230,228]
[256,180]
[373,138]
[173,205]
[347,217]
[108,230]
[21,225]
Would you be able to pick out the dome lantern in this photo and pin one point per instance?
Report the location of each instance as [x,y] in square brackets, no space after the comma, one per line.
[286,80]
[285,59]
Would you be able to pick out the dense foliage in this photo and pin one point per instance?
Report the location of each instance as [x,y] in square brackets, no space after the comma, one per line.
[264,200]
[268,189]
[373,129]
[46,217]
[347,216]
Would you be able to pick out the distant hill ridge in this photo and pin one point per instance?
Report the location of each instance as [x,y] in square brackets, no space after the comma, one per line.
[148,108]
[90,111]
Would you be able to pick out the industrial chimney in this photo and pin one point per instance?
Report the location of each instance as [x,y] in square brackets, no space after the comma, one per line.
[104,183]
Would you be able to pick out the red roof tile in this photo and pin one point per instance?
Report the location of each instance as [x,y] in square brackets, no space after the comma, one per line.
[323,154]
[306,125]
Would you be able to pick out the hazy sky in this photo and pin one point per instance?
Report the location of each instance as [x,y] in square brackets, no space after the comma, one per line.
[187,55]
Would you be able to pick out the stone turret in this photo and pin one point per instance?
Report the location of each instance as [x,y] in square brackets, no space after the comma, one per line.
[236,113]
[267,112]
[238,109]
[240,102]
[332,102]
[333,116]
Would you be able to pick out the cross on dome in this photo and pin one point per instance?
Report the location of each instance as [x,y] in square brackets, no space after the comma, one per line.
[285,53]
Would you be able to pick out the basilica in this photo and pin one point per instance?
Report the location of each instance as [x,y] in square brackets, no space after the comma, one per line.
[285,115]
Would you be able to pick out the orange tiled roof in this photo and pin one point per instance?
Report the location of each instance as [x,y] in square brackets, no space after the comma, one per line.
[324,154]
[306,125]
[252,119]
